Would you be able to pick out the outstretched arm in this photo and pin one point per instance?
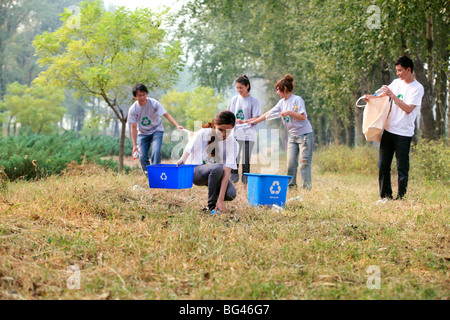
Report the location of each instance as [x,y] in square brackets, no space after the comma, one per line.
[223,189]
[133,128]
[173,121]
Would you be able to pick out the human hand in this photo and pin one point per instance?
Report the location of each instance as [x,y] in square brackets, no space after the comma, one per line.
[180,127]
[284,114]
[220,205]
[180,161]
[385,90]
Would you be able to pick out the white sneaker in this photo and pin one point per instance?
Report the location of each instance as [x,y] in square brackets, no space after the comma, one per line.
[382,201]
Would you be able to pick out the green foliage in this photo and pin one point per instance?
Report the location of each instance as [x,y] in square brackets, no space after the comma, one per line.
[431,161]
[35,107]
[37,156]
[344,160]
[108,52]
[329,46]
[102,54]
[200,105]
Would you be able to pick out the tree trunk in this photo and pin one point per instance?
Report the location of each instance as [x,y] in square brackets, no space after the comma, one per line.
[122,144]
[116,128]
[443,55]
[350,125]
[427,125]
[8,132]
[81,113]
[385,73]
[441,103]
[323,131]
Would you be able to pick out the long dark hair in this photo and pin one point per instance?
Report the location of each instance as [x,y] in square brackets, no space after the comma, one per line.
[244,81]
[223,117]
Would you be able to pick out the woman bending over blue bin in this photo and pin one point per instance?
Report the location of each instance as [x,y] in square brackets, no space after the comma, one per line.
[214,149]
[295,119]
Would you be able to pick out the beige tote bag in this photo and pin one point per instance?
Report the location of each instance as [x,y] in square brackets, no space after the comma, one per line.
[376,112]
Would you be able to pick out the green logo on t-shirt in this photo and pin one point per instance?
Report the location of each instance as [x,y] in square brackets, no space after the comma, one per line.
[240,115]
[145,121]
[286,119]
[400,96]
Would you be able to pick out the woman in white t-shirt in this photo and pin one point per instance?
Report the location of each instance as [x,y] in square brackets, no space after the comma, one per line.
[301,138]
[214,149]
[245,107]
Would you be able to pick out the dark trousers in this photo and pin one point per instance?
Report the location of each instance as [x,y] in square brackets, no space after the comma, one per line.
[390,144]
[243,159]
[211,175]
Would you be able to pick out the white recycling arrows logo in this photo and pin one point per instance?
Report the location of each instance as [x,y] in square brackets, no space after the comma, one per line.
[163,176]
[272,187]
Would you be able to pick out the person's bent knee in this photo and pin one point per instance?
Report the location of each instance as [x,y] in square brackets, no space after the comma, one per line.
[217,169]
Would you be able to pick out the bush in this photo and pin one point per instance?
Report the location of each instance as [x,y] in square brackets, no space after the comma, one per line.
[343,159]
[431,161]
[34,156]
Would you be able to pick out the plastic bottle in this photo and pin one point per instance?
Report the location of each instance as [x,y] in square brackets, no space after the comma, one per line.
[272,116]
[243,125]
[215,211]
[136,155]
[277,208]
[377,93]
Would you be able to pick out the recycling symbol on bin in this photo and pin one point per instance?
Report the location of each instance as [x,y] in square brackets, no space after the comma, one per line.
[163,176]
[272,187]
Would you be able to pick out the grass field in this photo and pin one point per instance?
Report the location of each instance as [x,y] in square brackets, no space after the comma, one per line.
[123,242]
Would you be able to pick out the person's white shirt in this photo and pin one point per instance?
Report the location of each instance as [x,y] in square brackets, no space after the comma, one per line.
[199,151]
[399,122]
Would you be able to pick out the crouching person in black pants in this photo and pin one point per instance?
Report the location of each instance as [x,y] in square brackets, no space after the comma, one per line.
[214,149]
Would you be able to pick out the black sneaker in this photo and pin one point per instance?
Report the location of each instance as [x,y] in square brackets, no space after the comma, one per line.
[207,209]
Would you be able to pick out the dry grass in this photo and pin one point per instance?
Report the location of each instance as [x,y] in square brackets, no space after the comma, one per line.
[157,244]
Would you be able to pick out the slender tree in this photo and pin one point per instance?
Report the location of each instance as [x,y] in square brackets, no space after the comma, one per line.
[103,54]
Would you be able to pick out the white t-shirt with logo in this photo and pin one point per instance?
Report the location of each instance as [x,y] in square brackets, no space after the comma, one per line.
[148,117]
[399,122]
[199,151]
[244,109]
[294,103]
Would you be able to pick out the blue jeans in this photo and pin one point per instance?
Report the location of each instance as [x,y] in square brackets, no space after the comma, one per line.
[300,145]
[143,142]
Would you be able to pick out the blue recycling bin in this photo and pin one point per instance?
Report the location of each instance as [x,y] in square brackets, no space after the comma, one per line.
[171,176]
[267,189]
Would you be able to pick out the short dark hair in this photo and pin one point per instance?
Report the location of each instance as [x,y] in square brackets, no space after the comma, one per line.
[405,62]
[139,87]
[244,80]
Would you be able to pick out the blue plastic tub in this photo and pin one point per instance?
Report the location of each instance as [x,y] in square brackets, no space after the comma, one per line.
[267,189]
[169,176]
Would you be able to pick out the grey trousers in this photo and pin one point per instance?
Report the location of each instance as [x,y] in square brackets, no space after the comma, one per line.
[210,175]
